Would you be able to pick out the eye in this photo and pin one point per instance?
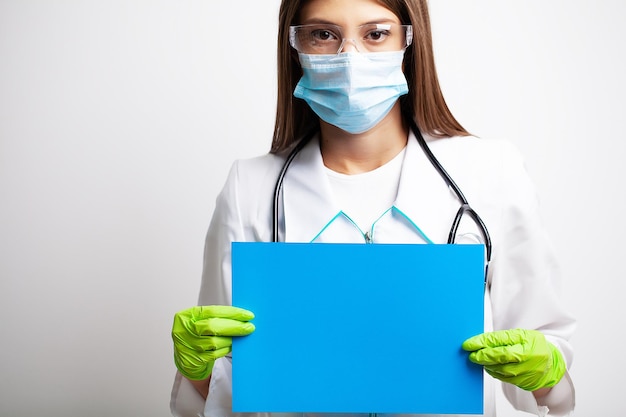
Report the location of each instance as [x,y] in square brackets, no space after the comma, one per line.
[377,35]
[323,35]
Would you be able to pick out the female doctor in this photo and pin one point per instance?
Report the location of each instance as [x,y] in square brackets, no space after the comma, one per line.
[366,150]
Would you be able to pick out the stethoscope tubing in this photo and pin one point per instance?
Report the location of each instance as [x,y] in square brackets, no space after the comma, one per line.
[281,177]
[465,206]
[464,209]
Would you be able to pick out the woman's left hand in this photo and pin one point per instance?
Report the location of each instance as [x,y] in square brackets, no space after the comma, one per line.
[520,357]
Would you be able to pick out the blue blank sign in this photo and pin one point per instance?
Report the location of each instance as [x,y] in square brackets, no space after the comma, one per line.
[355,328]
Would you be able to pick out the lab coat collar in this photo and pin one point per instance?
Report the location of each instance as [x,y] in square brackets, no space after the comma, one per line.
[309,204]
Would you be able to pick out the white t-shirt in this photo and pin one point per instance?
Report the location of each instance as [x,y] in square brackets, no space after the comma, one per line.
[365,197]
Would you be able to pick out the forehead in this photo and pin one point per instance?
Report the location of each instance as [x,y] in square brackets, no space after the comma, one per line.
[345,12]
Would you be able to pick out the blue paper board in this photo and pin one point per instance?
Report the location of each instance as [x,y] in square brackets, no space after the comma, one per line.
[353,328]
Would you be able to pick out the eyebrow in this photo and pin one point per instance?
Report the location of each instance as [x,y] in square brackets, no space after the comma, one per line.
[314,20]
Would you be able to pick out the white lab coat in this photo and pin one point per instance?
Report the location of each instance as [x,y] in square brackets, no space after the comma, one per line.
[523,290]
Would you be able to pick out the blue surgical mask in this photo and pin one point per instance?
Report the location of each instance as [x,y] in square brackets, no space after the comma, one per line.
[353,91]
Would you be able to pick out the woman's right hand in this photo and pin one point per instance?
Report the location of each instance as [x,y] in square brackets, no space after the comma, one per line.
[202,334]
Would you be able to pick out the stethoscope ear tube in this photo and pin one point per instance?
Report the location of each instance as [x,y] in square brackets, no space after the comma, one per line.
[279,182]
[465,206]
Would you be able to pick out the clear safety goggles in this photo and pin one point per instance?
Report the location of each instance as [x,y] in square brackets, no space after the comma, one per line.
[329,39]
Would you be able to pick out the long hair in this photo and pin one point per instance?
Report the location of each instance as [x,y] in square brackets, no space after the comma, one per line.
[424,101]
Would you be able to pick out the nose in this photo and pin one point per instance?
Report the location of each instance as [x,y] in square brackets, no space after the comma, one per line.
[348,45]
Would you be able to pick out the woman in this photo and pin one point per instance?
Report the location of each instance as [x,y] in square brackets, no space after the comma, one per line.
[355,80]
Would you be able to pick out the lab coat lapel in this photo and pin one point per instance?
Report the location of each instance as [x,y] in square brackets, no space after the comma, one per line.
[309,206]
[307,197]
[423,195]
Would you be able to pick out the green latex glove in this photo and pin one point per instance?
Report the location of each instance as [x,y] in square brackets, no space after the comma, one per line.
[202,334]
[520,357]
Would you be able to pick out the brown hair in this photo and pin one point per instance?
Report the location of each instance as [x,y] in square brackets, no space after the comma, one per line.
[424,102]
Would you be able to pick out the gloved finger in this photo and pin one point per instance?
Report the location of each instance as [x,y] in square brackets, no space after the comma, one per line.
[499,355]
[185,321]
[525,381]
[222,327]
[202,343]
[494,339]
[197,356]
[227,312]
[507,370]
[214,343]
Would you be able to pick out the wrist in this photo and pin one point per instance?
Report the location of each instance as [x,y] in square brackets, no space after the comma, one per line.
[541,392]
[202,386]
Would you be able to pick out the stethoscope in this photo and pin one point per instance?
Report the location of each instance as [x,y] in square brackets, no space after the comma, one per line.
[464,209]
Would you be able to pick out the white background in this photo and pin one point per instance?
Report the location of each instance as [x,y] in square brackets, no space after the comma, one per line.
[118,123]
